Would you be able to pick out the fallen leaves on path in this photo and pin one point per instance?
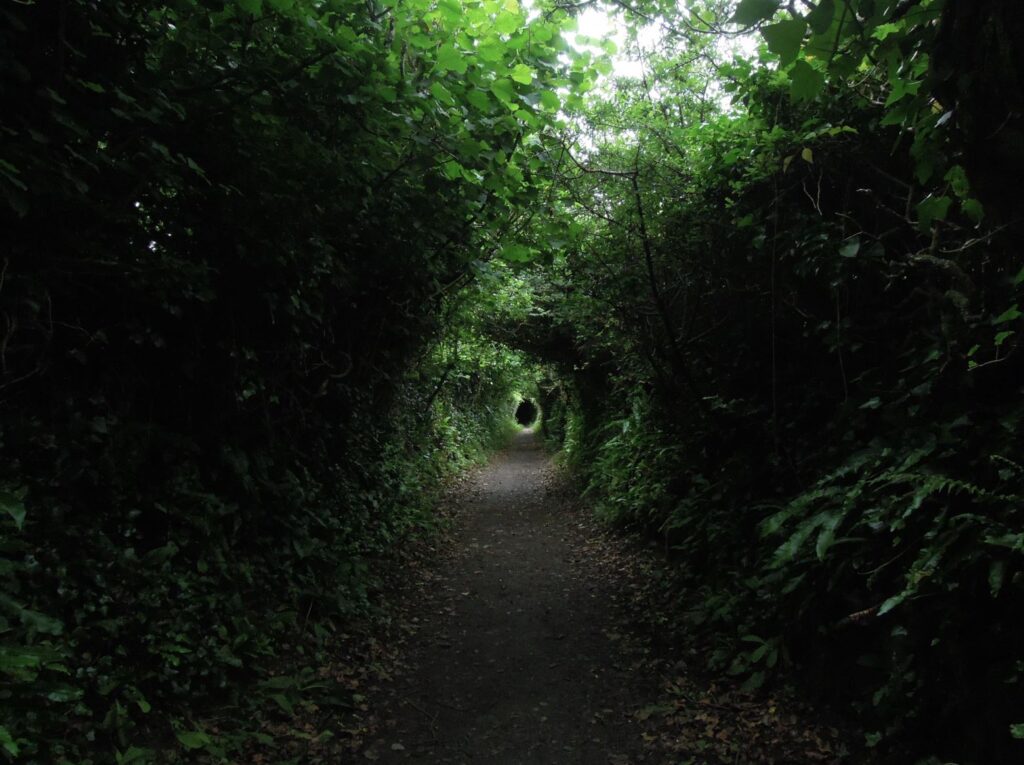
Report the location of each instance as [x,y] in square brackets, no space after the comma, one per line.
[697,718]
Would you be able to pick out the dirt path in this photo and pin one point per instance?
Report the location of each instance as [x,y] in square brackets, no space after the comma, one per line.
[517,658]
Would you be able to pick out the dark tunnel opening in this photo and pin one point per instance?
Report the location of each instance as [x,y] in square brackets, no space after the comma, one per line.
[526,413]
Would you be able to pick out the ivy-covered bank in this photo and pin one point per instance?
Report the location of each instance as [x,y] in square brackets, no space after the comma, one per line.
[793,352]
[242,250]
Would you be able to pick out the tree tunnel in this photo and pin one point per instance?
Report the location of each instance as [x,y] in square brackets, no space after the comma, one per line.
[526,413]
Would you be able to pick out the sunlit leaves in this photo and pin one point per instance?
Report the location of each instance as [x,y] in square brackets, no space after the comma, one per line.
[504,90]
[507,23]
[549,100]
[522,73]
[491,50]
[451,59]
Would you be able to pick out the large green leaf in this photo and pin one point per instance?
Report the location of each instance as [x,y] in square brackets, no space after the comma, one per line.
[503,89]
[784,39]
[752,11]
[521,73]
[806,82]
[451,59]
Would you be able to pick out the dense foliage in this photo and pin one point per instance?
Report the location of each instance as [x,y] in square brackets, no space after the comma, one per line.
[231,370]
[265,262]
[796,318]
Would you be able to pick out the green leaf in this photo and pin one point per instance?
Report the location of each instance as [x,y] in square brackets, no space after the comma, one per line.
[251,6]
[8,743]
[452,170]
[284,702]
[957,178]
[40,622]
[784,39]
[1010,314]
[1019,278]
[932,209]
[996,573]
[850,248]
[442,94]
[281,5]
[503,89]
[973,209]
[806,82]
[550,101]
[522,73]
[1002,337]
[820,19]
[491,50]
[135,756]
[516,253]
[194,739]
[507,23]
[891,603]
[479,99]
[11,503]
[1017,730]
[752,11]
[450,59]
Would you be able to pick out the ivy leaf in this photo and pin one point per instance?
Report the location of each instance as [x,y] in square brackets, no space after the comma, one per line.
[750,12]
[806,82]
[784,39]
[522,73]
[932,209]
[957,178]
[973,209]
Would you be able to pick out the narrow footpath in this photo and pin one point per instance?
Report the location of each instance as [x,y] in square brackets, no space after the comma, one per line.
[517,658]
[527,648]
